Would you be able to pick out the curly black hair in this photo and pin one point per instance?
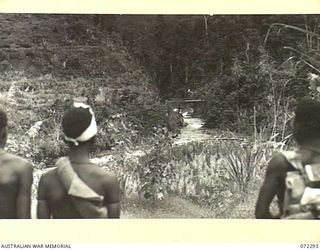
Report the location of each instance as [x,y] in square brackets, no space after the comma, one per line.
[306,124]
[75,121]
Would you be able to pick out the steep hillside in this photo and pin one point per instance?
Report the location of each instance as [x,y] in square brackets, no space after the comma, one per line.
[64,45]
[47,61]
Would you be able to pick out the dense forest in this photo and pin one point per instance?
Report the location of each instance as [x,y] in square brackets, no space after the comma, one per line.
[251,70]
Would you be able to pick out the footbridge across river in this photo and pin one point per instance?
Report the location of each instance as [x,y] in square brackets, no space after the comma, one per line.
[185,105]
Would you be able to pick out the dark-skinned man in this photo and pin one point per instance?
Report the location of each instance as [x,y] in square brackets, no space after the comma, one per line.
[294,176]
[15,180]
[76,188]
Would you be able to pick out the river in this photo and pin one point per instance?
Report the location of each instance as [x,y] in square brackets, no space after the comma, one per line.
[193,131]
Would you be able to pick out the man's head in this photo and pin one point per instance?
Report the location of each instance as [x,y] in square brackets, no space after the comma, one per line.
[79,125]
[306,126]
[3,128]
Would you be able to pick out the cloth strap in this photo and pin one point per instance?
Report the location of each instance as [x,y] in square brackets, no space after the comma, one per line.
[86,200]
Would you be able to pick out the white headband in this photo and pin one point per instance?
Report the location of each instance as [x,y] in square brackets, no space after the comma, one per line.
[89,132]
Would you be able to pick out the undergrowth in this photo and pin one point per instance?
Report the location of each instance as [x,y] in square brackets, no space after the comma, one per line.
[206,173]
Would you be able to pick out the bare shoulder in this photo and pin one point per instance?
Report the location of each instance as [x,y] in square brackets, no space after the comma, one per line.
[47,176]
[110,177]
[278,159]
[105,176]
[111,186]
[279,163]
[21,165]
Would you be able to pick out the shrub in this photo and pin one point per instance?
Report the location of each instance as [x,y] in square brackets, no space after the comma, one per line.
[202,171]
[241,163]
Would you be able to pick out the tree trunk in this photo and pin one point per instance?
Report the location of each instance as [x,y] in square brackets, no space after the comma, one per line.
[247,55]
[206,29]
[171,70]
[255,124]
[187,73]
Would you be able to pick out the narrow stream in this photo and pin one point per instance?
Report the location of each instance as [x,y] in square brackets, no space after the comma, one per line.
[192,132]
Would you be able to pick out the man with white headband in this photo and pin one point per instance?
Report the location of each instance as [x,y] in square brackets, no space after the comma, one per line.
[76,188]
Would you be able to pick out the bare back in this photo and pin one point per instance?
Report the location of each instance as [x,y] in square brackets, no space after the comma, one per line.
[59,204]
[15,186]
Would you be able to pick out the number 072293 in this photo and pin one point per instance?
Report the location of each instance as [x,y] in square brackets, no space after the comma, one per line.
[309,246]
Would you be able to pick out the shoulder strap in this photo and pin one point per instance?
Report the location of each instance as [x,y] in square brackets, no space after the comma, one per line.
[293,158]
[87,201]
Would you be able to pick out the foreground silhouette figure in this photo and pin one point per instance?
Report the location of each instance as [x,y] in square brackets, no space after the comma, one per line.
[294,176]
[76,188]
[15,180]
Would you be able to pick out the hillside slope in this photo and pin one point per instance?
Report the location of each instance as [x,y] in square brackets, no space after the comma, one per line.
[48,61]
